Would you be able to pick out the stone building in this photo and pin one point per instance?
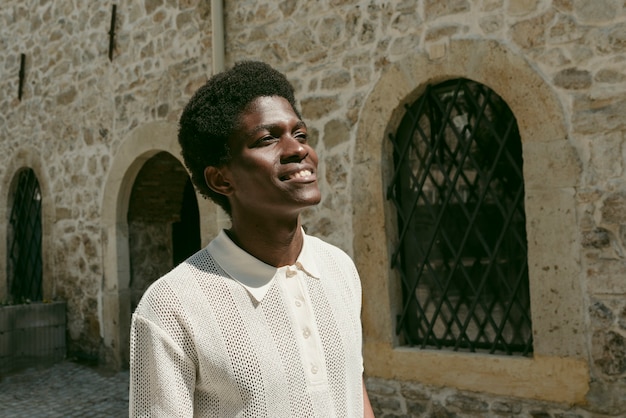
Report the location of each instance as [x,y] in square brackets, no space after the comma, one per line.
[91,95]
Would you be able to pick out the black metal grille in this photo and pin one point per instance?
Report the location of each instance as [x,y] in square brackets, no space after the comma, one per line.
[24,240]
[459,193]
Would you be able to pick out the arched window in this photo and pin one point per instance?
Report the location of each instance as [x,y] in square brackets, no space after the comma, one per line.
[458,190]
[24,265]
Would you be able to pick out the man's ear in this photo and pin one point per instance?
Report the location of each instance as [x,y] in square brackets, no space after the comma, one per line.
[216,179]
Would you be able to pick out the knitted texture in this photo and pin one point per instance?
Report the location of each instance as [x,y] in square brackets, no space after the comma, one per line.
[202,346]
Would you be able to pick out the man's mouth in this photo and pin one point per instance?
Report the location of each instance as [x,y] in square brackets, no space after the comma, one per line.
[298,175]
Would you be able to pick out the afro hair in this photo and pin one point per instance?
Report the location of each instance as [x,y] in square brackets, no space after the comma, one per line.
[211,115]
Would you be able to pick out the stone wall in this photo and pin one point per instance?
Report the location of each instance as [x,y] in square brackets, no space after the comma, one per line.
[410,399]
[80,110]
[78,106]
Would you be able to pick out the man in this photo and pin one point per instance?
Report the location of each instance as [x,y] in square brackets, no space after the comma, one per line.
[265,321]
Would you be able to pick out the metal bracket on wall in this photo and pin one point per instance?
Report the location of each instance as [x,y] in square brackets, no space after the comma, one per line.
[112,33]
[20,88]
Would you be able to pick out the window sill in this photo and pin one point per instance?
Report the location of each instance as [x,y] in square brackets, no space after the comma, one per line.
[555,379]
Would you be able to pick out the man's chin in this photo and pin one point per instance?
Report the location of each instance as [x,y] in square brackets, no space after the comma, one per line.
[309,204]
[315,200]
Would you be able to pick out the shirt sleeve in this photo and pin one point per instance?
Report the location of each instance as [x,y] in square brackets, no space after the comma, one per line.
[162,377]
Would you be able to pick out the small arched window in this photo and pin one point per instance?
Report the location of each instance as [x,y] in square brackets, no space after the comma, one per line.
[458,190]
[24,239]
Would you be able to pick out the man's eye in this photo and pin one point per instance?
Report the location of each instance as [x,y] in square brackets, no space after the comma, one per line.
[301,136]
[265,140]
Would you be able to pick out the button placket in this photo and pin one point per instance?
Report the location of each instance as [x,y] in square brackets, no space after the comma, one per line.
[304,321]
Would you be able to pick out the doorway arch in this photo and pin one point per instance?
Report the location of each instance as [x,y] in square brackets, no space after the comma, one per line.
[142,144]
[162,207]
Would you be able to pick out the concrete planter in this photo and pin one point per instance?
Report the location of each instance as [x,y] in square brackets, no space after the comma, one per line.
[31,334]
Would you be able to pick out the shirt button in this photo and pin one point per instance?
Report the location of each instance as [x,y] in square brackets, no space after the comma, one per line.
[298,303]
[314,369]
[306,333]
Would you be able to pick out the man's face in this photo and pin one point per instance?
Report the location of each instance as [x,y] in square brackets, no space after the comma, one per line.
[273,169]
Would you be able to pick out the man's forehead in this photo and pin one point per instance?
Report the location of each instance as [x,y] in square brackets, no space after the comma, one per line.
[268,111]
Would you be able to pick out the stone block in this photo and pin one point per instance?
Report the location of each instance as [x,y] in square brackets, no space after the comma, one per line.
[613,208]
[596,238]
[550,164]
[415,392]
[31,334]
[385,403]
[37,315]
[573,79]
[607,399]
[506,407]
[336,132]
[609,353]
[434,8]
[601,315]
[556,289]
[38,342]
[531,33]
[467,403]
[593,115]
[521,7]
[595,11]
[416,409]
[606,159]
[317,107]
[606,276]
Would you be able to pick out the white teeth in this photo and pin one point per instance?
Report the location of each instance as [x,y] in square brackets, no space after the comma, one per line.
[303,173]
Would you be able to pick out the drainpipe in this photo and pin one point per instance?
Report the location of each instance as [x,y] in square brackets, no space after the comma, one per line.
[217,21]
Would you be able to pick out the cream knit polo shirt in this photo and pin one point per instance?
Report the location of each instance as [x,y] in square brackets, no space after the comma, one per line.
[226,335]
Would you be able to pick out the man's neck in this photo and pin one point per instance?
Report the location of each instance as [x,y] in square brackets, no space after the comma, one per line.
[275,243]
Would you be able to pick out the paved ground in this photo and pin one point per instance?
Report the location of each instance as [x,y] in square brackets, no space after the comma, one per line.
[66,389]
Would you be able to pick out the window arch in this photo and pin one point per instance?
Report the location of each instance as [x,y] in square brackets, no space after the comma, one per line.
[24,258]
[458,190]
[556,371]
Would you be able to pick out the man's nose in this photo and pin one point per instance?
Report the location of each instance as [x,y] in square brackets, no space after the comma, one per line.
[293,149]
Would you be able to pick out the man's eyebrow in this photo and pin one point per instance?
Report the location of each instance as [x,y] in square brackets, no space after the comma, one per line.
[300,124]
[269,127]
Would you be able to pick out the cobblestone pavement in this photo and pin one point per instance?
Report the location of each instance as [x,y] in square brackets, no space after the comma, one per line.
[66,389]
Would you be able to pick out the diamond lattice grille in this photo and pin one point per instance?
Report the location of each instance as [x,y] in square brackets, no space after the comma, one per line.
[459,193]
[24,266]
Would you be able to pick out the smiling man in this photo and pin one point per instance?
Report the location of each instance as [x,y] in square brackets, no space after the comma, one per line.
[264,321]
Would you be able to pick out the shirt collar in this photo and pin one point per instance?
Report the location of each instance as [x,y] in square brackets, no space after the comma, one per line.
[253,274]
